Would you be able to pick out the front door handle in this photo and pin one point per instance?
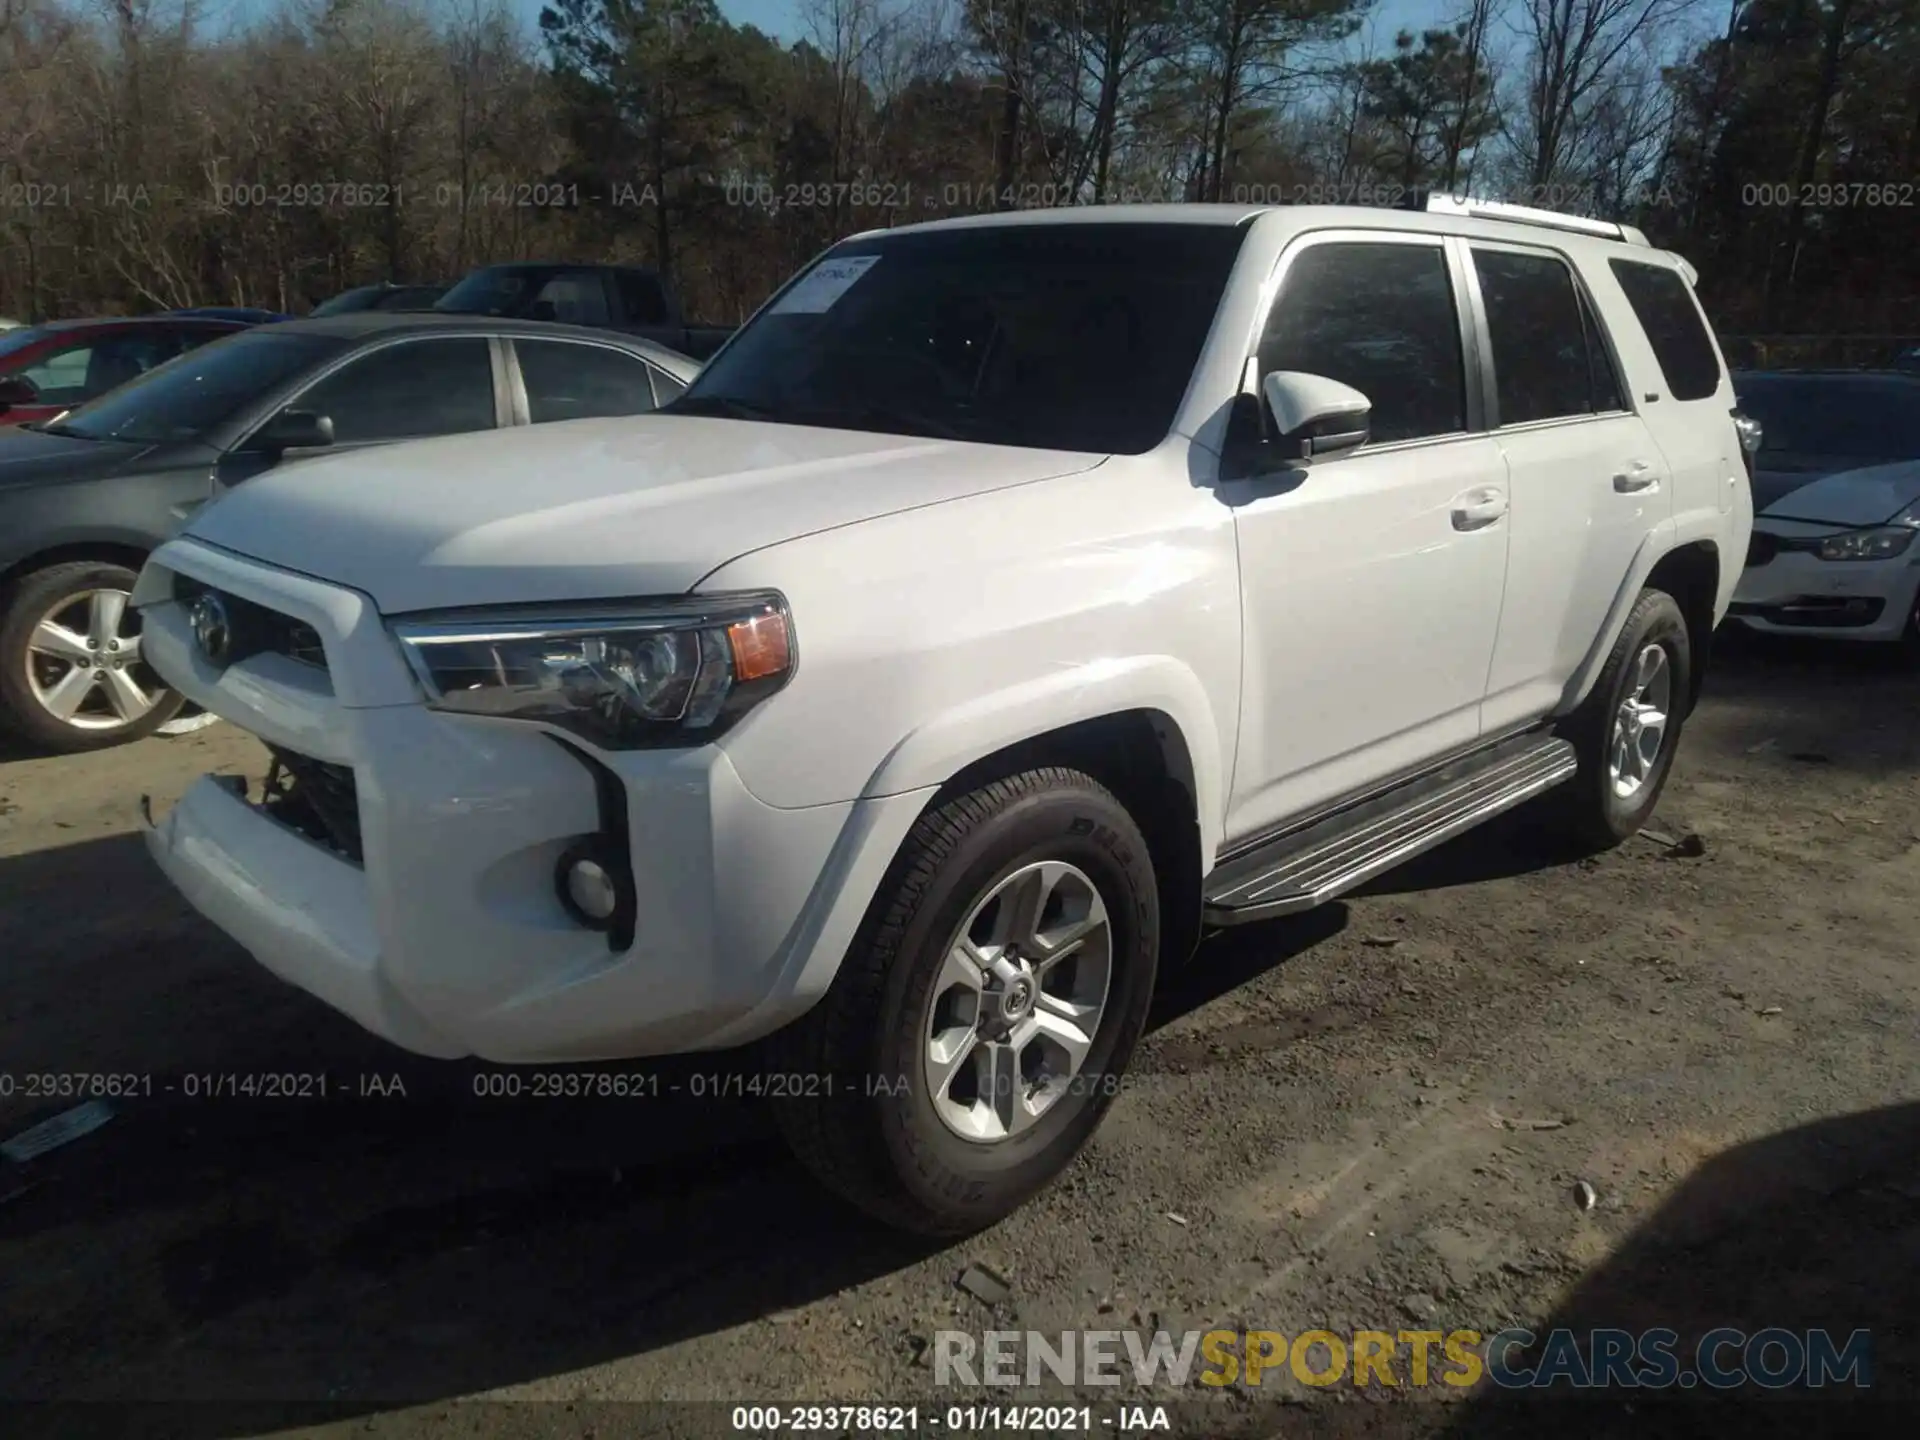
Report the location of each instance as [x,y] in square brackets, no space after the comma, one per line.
[1636,477]
[1477,509]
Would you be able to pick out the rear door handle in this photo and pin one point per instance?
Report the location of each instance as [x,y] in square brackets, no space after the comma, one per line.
[1479,508]
[1636,477]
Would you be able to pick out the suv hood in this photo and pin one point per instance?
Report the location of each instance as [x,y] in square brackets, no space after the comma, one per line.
[589,509]
[1855,498]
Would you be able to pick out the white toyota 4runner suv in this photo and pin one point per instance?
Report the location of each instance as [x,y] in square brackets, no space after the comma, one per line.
[1011,600]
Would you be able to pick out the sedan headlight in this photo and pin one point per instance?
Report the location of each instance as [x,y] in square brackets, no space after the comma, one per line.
[676,672]
[1882,542]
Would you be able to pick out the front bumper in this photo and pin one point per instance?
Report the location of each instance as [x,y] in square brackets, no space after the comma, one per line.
[449,937]
[1795,593]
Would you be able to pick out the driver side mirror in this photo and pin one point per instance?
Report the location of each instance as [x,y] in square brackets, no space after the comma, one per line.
[1315,417]
[294,430]
[17,390]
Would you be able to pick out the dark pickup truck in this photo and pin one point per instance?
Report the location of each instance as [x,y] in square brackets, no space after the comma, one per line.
[608,297]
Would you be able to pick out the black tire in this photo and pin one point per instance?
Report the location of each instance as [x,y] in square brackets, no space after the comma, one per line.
[1595,816]
[866,1126]
[1908,647]
[24,604]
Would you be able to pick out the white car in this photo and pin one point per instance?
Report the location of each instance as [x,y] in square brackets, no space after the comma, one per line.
[1837,558]
[1010,599]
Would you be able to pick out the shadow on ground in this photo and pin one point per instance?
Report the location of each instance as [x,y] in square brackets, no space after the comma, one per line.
[387,1234]
[1787,700]
[1815,1228]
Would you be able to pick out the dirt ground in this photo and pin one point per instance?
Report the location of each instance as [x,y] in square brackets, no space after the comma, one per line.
[1373,1117]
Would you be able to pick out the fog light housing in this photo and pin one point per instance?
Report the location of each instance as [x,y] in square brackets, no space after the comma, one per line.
[593,885]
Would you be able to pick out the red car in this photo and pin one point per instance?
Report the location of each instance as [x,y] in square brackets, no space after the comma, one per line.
[45,369]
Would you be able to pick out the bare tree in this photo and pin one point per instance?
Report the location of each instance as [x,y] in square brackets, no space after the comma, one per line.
[1572,48]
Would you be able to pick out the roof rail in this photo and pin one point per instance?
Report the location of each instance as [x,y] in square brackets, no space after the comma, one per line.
[1525,215]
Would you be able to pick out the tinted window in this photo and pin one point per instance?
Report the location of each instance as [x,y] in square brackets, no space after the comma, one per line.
[61,375]
[1607,392]
[408,390]
[348,301]
[198,390]
[1540,363]
[640,297]
[574,382]
[494,290]
[572,297]
[408,297]
[1073,337]
[1835,416]
[1378,317]
[192,339]
[1663,303]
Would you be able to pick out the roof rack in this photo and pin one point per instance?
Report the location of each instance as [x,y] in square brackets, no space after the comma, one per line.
[1434,204]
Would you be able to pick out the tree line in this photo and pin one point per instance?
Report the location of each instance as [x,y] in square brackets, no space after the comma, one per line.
[151,159]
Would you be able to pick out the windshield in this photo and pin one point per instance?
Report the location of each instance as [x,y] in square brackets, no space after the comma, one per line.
[347,302]
[1862,418]
[496,290]
[190,394]
[12,341]
[1078,336]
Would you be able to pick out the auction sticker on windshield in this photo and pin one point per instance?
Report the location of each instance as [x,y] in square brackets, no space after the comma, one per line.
[824,284]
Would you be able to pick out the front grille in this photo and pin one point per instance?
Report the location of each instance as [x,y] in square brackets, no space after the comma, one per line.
[316,798]
[258,630]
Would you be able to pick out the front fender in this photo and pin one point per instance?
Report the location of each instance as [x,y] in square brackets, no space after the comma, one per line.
[933,752]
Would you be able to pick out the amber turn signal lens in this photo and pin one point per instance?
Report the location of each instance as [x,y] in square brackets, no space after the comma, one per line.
[760,647]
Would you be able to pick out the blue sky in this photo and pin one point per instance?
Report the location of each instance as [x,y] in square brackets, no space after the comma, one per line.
[782,17]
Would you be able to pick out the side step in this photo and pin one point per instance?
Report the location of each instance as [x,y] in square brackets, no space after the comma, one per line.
[1303,868]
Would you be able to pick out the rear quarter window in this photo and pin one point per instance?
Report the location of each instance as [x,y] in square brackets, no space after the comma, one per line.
[1663,303]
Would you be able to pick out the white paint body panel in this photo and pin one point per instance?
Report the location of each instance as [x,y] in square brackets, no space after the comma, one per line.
[949,600]
[1797,576]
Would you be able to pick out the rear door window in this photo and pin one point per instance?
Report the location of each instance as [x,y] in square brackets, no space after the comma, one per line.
[1663,303]
[572,381]
[1543,365]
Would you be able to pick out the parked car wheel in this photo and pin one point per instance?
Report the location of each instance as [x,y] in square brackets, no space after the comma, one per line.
[71,673]
[1628,729]
[979,1026]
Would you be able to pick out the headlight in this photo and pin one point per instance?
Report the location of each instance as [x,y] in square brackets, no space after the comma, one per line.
[676,672]
[1881,544]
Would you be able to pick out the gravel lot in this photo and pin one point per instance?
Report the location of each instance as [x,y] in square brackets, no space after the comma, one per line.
[1351,1112]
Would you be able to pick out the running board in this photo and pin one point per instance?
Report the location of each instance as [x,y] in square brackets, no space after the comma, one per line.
[1308,866]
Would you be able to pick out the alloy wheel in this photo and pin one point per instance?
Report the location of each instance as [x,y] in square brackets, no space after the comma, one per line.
[84,665]
[1018,1002]
[1640,722]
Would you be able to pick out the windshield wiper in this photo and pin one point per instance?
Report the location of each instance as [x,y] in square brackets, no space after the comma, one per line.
[725,405]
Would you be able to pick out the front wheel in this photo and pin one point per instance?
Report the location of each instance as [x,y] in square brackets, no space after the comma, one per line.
[72,676]
[1628,729]
[979,1027]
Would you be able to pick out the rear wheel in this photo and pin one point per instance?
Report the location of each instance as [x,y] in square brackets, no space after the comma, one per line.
[1627,731]
[978,1028]
[72,676]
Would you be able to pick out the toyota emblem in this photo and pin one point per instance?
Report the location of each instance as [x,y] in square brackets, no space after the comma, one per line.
[212,629]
